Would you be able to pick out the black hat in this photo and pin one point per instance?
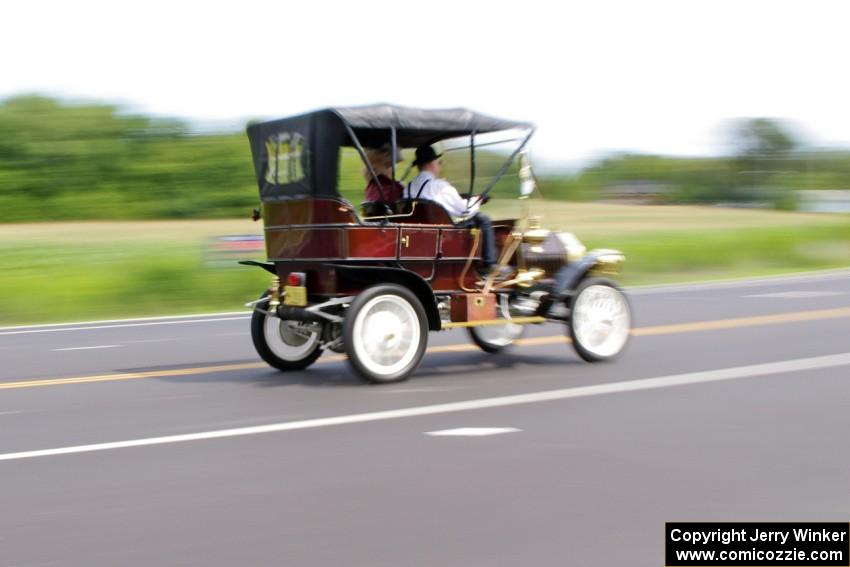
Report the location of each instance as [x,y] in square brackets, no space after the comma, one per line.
[425,154]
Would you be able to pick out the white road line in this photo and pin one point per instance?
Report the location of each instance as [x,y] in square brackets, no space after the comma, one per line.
[423,390]
[59,330]
[797,294]
[85,347]
[472,431]
[734,373]
[132,320]
[819,275]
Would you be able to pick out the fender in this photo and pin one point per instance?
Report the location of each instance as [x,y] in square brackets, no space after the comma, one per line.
[568,277]
[267,266]
[412,281]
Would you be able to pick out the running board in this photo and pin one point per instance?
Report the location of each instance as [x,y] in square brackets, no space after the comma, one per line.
[490,322]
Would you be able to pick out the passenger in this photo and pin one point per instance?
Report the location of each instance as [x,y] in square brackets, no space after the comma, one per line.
[428,185]
[381,160]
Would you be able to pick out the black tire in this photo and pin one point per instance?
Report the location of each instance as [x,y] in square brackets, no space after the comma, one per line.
[404,312]
[259,331]
[487,344]
[620,323]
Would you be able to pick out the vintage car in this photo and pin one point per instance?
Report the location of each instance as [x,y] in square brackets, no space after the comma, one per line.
[372,281]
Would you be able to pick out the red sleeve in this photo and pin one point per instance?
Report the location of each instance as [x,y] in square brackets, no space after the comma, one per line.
[397,190]
[372,192]
[392,191]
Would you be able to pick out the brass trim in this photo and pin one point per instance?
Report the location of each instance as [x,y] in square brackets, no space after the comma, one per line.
[476,238]
[274,293]
[394,216]
[490,322]
[295,296]
[523,278]
[510,247]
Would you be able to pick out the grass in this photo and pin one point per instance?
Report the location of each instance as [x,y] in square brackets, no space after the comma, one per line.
[591,220]
[91,270]
[665,244]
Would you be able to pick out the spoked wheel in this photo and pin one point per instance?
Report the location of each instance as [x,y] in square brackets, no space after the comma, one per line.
[495,338]
[286,345]
[385,333]
[600,320]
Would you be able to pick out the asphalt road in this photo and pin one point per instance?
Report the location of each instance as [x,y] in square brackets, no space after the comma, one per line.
[167,442]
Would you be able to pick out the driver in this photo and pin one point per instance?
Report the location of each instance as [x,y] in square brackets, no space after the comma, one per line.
[428,185]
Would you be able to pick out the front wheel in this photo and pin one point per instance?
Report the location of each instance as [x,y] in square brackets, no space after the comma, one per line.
[285,345]
[385,333]
[600,320]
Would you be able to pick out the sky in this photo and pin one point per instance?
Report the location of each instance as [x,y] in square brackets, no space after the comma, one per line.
[595,76]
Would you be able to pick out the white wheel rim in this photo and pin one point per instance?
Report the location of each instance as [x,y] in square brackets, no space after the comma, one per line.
[601,320]
[386,334]
[498,335]
[285,342]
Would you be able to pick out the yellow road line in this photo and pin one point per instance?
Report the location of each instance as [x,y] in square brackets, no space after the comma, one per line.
[756,321]
[131,375]
[760,320]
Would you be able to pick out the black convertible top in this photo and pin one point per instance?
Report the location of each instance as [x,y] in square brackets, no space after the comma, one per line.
[415,126]
[299,156]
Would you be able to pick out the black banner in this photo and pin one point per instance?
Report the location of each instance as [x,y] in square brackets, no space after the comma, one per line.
[757,544]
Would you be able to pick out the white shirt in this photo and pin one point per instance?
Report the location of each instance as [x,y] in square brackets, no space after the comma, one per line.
[442,192]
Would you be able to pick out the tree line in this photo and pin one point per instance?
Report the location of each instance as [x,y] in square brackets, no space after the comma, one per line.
[765,165]
[94,161]
[62,160]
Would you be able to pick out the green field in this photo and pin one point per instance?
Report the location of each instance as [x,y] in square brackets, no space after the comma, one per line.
[93,270]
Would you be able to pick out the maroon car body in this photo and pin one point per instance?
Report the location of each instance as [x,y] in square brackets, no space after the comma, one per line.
[374,279]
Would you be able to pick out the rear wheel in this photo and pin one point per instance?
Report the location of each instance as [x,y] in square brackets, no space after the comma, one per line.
[285,345]
[600,320]
[385,333]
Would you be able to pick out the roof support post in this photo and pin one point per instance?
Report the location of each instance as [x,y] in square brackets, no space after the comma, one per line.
[394,150]
[471,166]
